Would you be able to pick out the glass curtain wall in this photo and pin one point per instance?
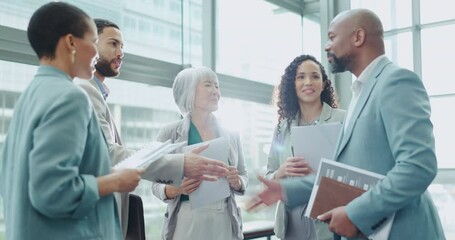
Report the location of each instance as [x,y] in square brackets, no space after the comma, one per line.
[256,39]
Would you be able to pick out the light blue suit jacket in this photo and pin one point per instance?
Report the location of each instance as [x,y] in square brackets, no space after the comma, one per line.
[52,155]
[389,133]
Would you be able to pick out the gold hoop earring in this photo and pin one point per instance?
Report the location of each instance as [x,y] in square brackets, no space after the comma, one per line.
[73,55]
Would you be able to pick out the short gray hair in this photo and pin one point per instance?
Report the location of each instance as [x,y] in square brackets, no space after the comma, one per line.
[184,87]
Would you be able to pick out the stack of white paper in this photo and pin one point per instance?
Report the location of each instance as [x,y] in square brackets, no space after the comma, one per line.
[314,142]
[149,153]
[211,191]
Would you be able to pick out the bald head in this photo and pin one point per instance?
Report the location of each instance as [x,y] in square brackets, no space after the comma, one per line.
[361,18]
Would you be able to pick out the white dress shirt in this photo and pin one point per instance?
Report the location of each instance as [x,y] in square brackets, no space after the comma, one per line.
[357,87]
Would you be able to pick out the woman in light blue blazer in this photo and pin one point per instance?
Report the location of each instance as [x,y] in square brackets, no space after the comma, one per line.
[55,179]
[196,93]
[305,97]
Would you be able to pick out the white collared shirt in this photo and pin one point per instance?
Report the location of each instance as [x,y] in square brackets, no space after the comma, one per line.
[357,87]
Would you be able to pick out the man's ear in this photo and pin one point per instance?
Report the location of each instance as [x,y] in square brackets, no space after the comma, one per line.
[359,37]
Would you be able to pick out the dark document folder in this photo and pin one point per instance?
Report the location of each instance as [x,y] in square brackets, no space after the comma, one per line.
[332,194]
[336,185]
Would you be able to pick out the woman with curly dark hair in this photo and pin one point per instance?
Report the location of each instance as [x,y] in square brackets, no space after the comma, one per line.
[305,96]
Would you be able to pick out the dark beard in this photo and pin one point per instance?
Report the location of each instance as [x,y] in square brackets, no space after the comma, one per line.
[103,66]
[339,65]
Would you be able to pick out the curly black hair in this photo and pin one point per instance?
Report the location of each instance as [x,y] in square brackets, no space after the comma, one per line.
[286,97]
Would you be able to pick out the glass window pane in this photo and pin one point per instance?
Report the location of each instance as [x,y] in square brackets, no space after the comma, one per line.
[14,78]
[141,110]
[437,59]
[312,37]
[398,49]
[16,14]
[255,122]
[443,196]
[150,28]
[442,122]
[435,10]
[192,38]
[259,48]
[393,13]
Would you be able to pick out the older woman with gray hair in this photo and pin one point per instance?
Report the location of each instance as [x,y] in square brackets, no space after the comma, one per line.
[196,93]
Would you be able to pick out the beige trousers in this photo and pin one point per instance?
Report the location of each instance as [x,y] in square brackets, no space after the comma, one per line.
[209,222]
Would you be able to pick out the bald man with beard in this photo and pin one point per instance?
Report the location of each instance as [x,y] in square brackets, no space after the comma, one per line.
[387,130]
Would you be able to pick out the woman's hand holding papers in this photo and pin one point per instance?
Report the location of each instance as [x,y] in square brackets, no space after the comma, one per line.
[202,168]
[188,186]
[293,166]
[234,178]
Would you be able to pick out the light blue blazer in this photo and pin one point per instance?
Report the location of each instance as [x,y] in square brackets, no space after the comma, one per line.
[52,155]
[389,133]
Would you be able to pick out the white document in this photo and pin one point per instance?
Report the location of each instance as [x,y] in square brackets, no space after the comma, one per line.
[210,192]
[383,231]
[353,176]
[148,154]
[314,142]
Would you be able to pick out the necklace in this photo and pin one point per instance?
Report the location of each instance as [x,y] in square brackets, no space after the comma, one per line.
[302,122]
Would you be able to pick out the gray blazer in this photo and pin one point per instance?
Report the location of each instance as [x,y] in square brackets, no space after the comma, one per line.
[389,133]
[178,132]
[168,168]
[280,151]
[52,155]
